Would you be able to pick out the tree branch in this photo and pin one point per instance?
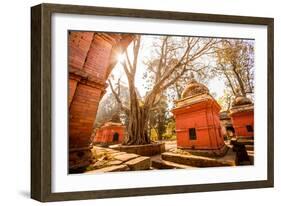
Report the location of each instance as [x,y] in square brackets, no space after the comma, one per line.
[117,97]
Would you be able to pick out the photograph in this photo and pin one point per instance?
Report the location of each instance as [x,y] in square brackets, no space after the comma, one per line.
[142,102]
[135,102]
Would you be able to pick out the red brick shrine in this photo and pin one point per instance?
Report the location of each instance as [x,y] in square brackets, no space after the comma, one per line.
[92,56]
[110,132]
[197,121]
[242,117]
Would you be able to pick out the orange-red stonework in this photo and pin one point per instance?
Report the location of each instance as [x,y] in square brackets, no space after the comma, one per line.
[91,58]
[197,119]
[242,117]
[110,132]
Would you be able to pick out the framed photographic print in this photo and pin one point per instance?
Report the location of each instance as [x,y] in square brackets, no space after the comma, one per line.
[132,102]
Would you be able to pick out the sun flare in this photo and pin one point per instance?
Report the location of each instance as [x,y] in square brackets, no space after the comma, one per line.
[121,57]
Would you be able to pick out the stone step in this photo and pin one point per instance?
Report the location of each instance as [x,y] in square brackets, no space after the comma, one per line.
[150,150]
[114,168]
[246,141]
[195,161]
[251,156]
[125,157]
[104,163]
[241,137]
[139,163]
[249,147]
[163,164]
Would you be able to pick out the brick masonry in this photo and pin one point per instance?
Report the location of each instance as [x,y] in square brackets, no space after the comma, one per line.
[92,56]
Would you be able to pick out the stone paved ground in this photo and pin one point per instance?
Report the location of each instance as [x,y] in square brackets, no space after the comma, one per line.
[199,161]
[110,160]
[170,145]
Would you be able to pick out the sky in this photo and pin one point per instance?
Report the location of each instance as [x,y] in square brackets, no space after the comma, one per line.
[216,86]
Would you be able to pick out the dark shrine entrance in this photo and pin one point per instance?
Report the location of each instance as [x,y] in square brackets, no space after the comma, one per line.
[115,137]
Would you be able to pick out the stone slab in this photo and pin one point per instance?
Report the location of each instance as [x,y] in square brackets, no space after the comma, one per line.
[195,161]
[114,168]
[125,157]
[246,141]
[143,150]
[251,155]
[163,164]
[104,163]
[212,153]
[249,147]
[139,163]
[113,162]
[117,154]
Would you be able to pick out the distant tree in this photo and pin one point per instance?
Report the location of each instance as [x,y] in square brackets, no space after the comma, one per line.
[170,131]
[226,99]
[108,106]
[235,62]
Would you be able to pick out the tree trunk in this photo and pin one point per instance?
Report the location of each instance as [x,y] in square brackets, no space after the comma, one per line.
[229,81]
[137,131]
[240,82]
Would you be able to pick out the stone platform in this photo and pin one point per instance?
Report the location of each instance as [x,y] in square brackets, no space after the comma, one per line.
[199,161]
[143,150]
[207,153]
[164,164]
[110,160]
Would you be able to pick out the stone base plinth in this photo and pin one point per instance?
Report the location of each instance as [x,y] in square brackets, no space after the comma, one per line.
[163,164]
[105,144]
[197,161]
[207,153]
[143,150]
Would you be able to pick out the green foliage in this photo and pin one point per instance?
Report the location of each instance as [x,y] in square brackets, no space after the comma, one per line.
[157,118]
[170,129]
[153,134]
[225,100]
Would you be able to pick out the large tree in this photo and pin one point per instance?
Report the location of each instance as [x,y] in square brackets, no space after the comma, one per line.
[171,58]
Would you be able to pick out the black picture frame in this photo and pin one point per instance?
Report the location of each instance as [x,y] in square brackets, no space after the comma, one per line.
[41,101]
